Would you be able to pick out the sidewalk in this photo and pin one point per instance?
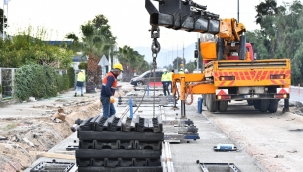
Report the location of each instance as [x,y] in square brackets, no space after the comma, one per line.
[44,106]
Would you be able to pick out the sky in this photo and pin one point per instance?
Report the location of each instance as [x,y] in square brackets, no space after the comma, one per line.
[129,20]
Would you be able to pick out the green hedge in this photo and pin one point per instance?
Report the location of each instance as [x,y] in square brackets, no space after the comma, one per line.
[0,88]
[71,77]
[38,81]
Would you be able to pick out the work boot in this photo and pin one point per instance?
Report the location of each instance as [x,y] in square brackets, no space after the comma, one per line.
[75,95]
[81,95]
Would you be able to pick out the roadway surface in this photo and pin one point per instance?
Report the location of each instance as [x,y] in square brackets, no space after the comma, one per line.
[265,142]
[272,139]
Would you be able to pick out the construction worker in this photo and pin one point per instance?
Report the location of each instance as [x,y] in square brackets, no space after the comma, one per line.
[186,71]
[165,79]
[181,71]
[109,86]
[80,82]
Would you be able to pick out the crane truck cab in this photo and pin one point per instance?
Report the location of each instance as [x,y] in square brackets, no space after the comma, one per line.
[250,55]
[209,49]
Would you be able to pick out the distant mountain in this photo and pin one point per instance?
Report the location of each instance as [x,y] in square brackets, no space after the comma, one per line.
[165,57]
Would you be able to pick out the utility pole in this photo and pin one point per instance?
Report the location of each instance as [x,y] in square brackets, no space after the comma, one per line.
[177,58]
[172,56]
[238,13]
[183,58]
[3,22]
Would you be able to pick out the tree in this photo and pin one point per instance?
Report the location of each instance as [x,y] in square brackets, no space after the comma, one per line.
[191,66]
[267,8]
[97,41]
[176,63]
[280,35]
[131,60]
[75,44]
[99,21]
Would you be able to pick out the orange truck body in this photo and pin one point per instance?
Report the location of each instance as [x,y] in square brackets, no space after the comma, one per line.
[257,81]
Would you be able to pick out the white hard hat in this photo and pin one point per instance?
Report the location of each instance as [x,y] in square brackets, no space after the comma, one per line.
[181,69]
[164,70]
[82,70]
[186,70]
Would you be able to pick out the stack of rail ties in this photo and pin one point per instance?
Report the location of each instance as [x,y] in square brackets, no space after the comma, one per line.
[117,145]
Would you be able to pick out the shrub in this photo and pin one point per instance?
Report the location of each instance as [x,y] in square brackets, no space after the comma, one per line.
[38,81]
[71,77]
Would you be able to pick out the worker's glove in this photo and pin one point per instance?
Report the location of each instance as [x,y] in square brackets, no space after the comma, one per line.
[112,100]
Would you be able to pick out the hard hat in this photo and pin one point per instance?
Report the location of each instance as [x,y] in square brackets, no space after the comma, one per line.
[82,70]
[164,70]
[185,70]
[181,69]
[118,66]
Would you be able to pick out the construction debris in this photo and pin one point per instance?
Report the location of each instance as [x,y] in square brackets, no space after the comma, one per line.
[60,114]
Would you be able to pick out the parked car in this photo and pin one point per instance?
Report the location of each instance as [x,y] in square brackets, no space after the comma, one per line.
[145,77]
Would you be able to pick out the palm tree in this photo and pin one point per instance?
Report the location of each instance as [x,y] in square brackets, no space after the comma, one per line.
[131,60]
[97,41]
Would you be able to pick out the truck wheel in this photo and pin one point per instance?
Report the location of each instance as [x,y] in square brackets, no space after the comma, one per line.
[223,105]
[204,99]
[273,105]
[264,103]
[250,102]
[207,101]
[213,105]
[256,104]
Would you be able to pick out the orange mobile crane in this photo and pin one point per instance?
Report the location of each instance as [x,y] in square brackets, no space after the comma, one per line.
[231,71]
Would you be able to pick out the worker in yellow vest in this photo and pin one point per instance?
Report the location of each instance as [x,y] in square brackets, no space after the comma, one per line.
[165,79]
[181,71]
[80,82]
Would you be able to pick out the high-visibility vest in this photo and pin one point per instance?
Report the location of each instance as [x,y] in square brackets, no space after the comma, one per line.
[81,77]
[114,86]
[165,77]
[171,75]
[181,72]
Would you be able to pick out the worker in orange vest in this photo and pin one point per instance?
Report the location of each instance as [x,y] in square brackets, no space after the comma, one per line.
[109,86]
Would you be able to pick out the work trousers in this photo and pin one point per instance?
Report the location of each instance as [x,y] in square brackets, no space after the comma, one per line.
[108,108]
[79,85]
[165,88]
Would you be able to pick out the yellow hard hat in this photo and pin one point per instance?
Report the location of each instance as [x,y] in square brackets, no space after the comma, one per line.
[118,66]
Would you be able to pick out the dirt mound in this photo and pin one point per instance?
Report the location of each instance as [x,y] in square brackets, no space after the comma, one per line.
[19,136]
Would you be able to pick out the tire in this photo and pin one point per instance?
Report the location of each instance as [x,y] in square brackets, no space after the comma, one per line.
[204,99]
[264,104]
[273,105]
[222,106]
[207,101]
[139,83]
[213,105]
[256,104]
[250,102]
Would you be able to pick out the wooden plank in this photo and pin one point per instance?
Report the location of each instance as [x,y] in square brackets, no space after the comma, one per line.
[52,155]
